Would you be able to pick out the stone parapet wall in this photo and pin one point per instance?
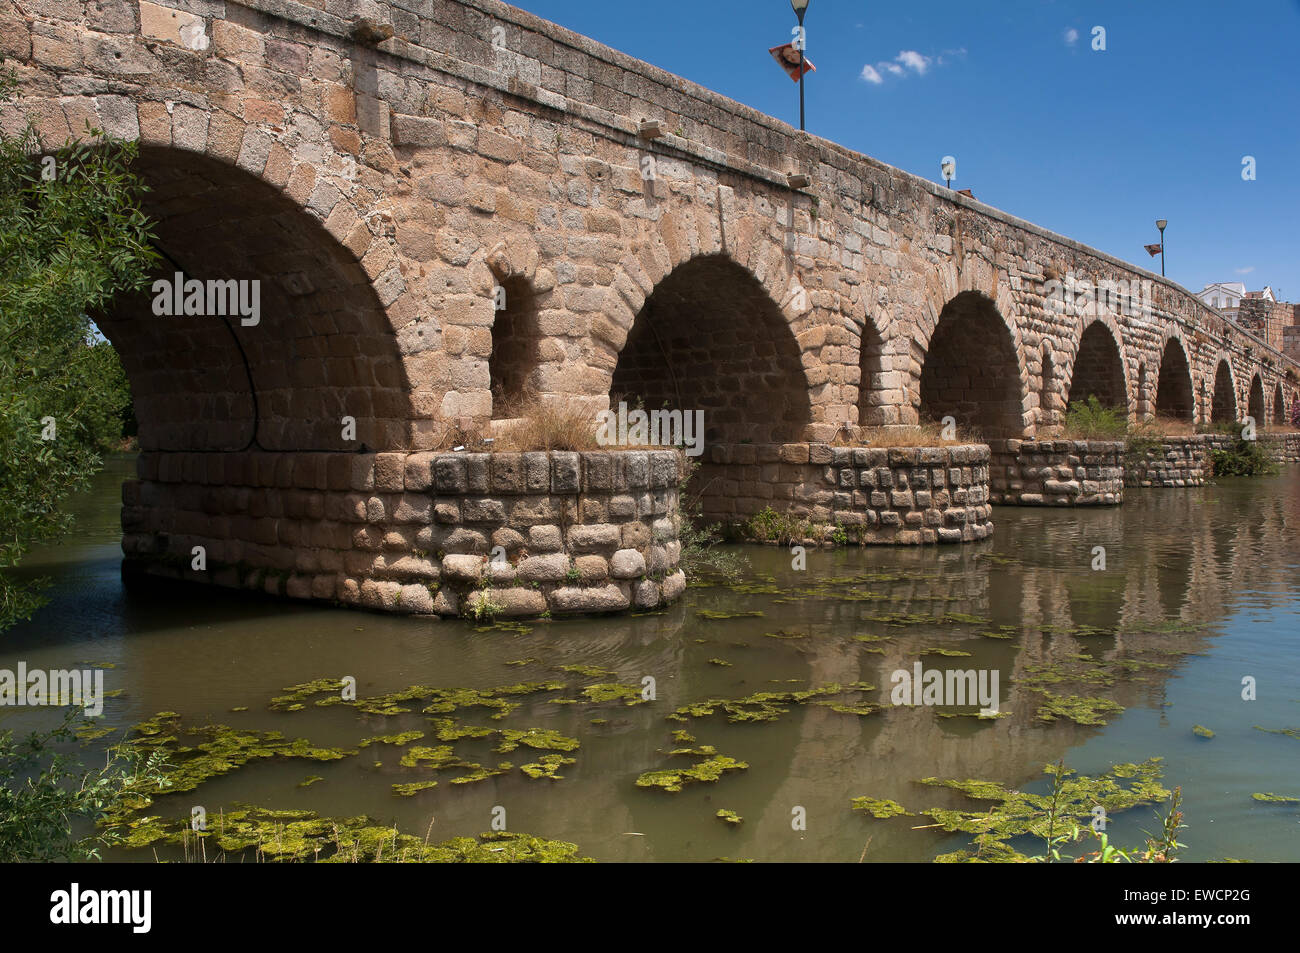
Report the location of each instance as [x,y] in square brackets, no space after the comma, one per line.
[501,534]
[1177,461]
[1187,461]
[902,496]
[1057,472]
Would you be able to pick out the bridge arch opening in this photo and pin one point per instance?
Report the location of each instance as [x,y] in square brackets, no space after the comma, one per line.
[1098,369]
[970,371]
[517,343]
[1279,407]
[1255,402]
[1174,396]
[1223,406]
[873,403]
[280,343]
[710,337]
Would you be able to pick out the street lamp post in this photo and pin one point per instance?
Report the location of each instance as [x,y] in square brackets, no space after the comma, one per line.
[1160,224]
[800,8]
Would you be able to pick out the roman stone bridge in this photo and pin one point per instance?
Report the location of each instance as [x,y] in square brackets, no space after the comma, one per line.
[394,171]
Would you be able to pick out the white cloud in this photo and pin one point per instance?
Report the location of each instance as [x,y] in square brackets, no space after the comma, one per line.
[872,75]
[913,60]
[1245,271]
[894,68]
[1071,36]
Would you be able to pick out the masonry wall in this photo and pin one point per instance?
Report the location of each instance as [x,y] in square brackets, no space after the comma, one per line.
[1057,472]
[902,496]
[1186,461]
[505,534]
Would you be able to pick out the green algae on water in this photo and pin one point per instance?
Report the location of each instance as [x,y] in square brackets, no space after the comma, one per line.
[310,780]
[714,614]
[614,691]
[546,766]
[729,817]
[880,808]
[589,671]
[1276,798]
[720,661]
[1202,731]
[706,771]
[1078,709]
[538,738]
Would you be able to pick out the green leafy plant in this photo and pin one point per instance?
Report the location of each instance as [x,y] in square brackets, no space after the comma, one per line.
[72,237]
[43,792]
[1242,458]
[1089,420]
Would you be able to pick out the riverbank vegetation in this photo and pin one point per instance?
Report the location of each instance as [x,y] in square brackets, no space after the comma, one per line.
[72,237]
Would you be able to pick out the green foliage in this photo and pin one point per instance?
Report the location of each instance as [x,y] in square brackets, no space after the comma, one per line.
[42,792]
[1243,458]
[700,555]
[1089,420]
[70,242]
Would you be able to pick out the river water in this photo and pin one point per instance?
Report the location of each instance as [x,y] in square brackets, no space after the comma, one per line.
[1204,582]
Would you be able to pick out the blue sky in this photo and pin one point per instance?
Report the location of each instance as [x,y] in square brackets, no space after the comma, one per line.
[1096,145]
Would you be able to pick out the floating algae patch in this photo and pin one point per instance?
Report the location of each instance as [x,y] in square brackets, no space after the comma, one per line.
[309,781]
[880,808]
[614,691]
[706,771]
[287,836]
[448,729]
[1202,732]
[413,788]
[861,709]
[947,618]
[1289,732]
[720,661]
[1276,798]
[521,661]
[952,653]
[980,714]
[729,817]
[873,638]
[220,750]
[480,773]
[546,766]
[1018,813]
[785,634]
[296,696]
[702,751]
[88,732]
[402,738]
[422,756]
[589,671]
[715,614]
[543,739]
[760,706]
[682,736]
[1076,708]
[505,625]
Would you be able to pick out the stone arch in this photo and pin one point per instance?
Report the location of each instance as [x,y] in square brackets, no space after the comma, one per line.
[1223,406]
[972,369]
[1174,394]
[874,407]
[710,337]
[1098,369]
[1255,402]
[1279,406]
[323,348]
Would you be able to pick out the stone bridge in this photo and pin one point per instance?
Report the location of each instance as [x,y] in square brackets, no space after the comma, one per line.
[394,172]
